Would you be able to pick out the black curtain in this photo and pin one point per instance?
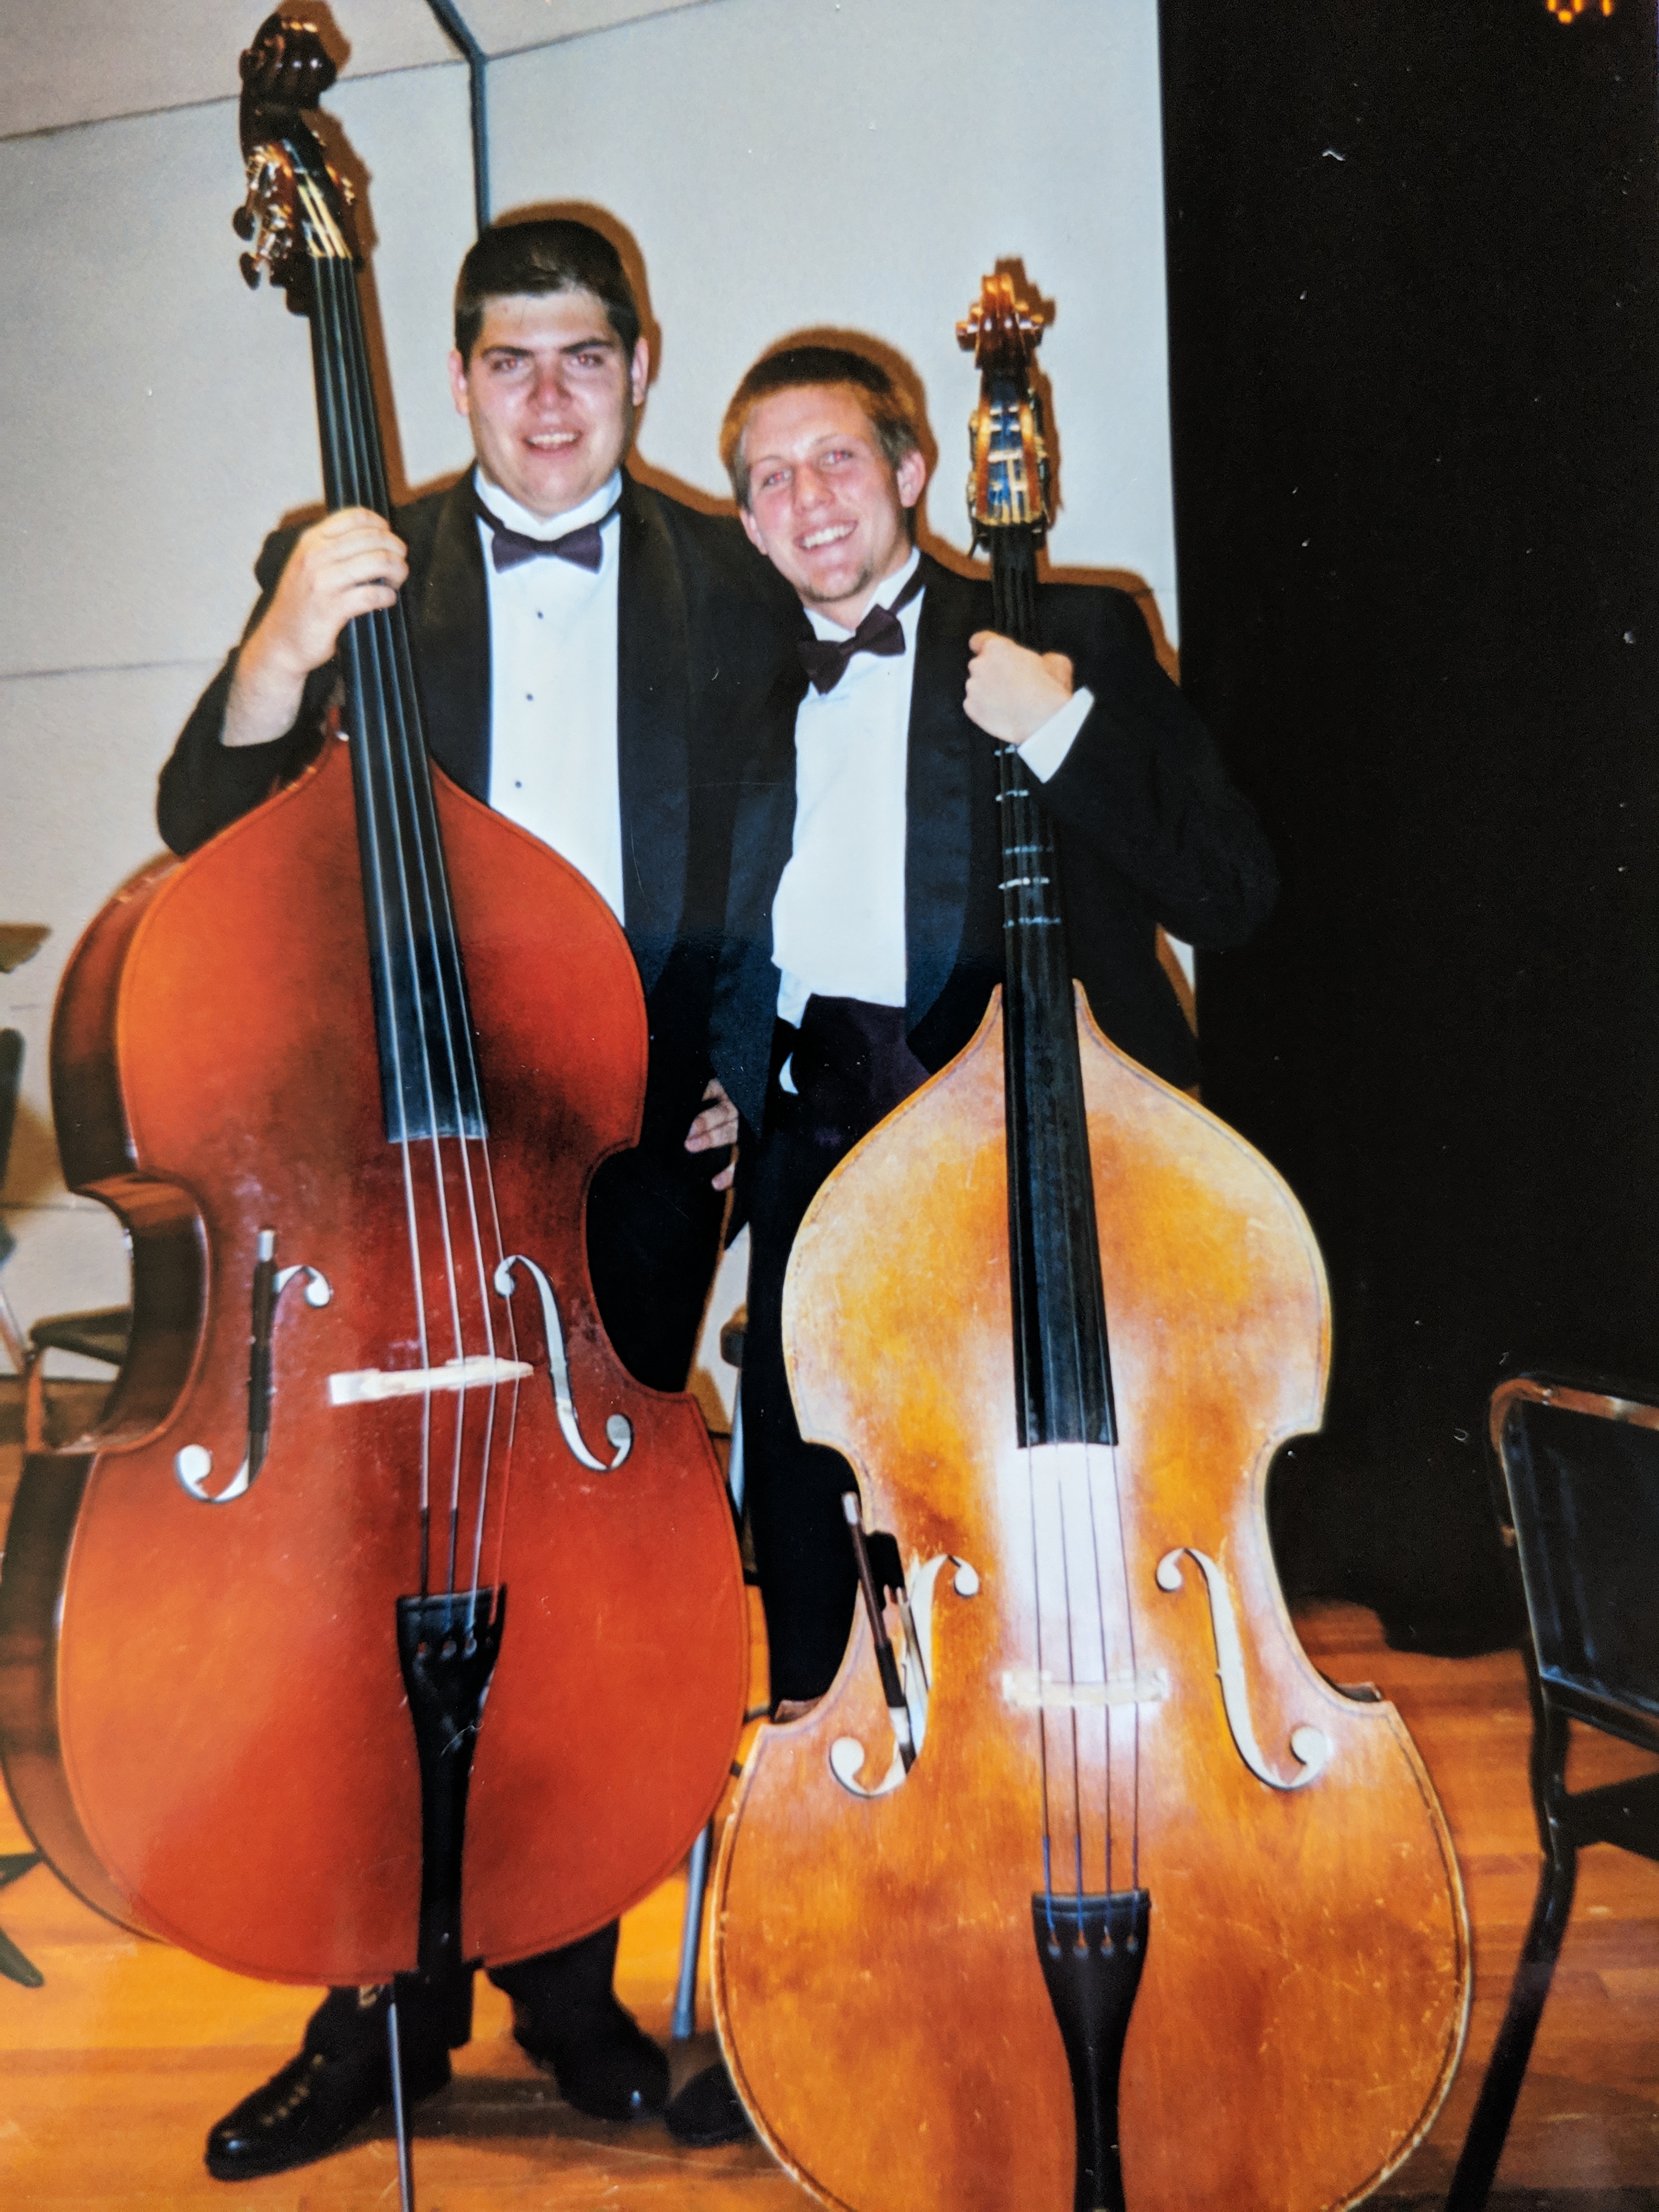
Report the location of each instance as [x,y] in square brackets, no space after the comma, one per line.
[1414,258]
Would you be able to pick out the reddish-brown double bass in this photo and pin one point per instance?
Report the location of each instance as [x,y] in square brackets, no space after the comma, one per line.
[1155,1918]
[345,1076]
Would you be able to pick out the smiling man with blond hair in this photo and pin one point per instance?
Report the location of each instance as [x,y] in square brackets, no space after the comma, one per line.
[864,931]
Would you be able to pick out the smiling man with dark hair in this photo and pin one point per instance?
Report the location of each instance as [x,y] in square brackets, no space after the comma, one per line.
[585,648]
[529,259]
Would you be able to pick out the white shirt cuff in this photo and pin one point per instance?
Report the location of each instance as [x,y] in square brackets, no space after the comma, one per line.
[1045,749]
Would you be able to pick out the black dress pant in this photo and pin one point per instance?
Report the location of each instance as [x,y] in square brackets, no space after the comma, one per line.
[850,1065]
[653,1232]
[558,1995]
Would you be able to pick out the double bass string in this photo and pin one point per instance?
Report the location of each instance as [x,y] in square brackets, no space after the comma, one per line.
[1057,1394]
[1121,1566]
[374,827]
[1105,1655]
[1072,1543]
[395,685]
[418,854]
[1058,1389]
[1043,1717]
[1071,1675]
[392,632]
[394,759]
[1134,1677]
[339,475]
[1006,618]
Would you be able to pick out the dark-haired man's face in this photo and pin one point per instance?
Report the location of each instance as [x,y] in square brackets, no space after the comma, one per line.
[825,505]
[551,397]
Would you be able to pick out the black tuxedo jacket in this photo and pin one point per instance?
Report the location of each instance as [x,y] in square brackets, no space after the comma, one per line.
[1149,828]
[701,620]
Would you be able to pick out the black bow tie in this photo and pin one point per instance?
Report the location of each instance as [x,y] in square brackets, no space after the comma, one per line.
[508,548]
[825,660]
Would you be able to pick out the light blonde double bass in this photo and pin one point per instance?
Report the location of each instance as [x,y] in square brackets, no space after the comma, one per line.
[1157,1917]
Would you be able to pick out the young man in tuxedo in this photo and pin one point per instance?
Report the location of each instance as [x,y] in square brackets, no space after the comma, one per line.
[864,924]
[585,648]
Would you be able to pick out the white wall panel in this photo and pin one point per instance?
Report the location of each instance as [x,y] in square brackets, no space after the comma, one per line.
[786,163]
[506,26]
[80,61]
[160,417]
[86,61]
[147,396]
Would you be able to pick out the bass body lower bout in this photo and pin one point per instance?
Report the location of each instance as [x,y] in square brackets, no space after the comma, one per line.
[1303,1995]
[218,1681]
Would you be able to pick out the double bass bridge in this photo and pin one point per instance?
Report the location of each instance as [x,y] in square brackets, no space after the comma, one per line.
[1029,1691]
[365,1385]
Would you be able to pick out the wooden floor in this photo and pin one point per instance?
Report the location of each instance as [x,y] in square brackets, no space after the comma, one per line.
[112,2071]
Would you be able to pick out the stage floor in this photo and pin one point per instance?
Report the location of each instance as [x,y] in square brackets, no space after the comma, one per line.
[114,2069]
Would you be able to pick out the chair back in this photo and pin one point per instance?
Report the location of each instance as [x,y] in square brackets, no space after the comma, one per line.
[1581,1471]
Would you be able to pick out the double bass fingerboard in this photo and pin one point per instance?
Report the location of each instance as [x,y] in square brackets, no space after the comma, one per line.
[423,1025]
[1062,1370]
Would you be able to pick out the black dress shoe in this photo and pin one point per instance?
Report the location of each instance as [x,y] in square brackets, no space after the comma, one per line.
[708,2110]
[605,2064]
[311,2106]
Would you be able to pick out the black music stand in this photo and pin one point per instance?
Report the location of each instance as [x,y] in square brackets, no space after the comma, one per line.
[1579,1505]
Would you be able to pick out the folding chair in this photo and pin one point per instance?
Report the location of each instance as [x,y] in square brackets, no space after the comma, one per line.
[1579,1505]
[101,1334]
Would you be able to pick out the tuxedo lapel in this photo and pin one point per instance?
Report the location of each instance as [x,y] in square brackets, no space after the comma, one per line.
[451,638]
[652,715]
[937,801]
